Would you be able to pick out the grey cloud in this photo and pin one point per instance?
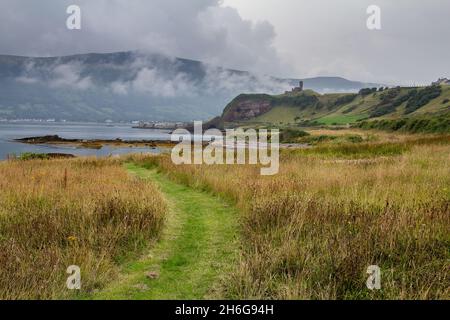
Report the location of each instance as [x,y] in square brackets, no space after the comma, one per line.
[303,38]
[330,38]
[69,75]
[56,76]
[216,81]
[220,80]
[198,29]
[148,75]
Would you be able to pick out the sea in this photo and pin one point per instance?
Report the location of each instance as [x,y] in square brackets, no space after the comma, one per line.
[9,131]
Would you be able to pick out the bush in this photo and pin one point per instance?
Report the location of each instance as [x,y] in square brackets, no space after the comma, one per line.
[301,101]
[367,91]
[348,98]
[413,125]
[415,99]
[33,156]
[386,103]
[292,135]
[422,98]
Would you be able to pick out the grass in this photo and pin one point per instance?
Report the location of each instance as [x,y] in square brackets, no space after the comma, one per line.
[194,256]
[57,213]
[280,114]
[311,231]
[338,119]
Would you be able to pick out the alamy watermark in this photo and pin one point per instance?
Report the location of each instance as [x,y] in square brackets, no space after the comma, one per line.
[374,280]
[235,146]
[73,282]
[73,22]
[374,19]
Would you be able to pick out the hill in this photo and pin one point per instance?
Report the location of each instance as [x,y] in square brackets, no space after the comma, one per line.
[369,108]
[131,86]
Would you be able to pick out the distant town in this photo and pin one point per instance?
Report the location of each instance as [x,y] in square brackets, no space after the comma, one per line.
[136,124]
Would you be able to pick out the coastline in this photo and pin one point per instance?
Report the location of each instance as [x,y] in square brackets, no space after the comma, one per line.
[94,143]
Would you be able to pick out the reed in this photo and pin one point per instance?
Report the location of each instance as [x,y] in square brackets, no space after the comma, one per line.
[56,213]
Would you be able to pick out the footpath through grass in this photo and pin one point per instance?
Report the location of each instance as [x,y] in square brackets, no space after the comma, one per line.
[194,255]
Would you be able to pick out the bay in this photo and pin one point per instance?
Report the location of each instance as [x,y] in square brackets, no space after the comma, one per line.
[16,130]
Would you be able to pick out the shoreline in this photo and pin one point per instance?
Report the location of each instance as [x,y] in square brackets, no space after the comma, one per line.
[119,143]
[95,143]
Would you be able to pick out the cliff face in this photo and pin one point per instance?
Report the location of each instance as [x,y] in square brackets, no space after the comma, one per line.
[246,107]
[250,106]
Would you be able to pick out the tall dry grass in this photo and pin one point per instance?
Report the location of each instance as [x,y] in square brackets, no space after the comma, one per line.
[311,231]
[58,213]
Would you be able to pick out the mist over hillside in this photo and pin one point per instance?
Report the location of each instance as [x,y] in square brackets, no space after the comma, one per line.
[132,86]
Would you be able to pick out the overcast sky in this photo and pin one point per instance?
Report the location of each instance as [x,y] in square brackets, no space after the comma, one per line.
[289,38]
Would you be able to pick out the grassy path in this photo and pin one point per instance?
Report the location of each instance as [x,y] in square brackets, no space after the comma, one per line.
[196,251]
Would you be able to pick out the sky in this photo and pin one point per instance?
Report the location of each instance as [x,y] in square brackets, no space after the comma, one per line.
[286,38]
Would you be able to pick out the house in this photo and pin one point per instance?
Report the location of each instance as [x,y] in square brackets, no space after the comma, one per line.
[441,81]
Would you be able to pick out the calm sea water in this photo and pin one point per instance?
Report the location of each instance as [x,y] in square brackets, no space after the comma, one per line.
[11,131]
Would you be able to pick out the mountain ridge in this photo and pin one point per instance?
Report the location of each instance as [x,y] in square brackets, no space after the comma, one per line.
[131,85]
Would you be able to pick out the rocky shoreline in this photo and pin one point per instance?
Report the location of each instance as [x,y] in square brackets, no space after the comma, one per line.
[95,143]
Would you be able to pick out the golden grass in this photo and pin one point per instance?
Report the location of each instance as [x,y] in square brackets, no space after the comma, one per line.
[58,213]
[367,135]
[312,231]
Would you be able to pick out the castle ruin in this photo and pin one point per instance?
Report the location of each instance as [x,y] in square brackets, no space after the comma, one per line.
[296,89]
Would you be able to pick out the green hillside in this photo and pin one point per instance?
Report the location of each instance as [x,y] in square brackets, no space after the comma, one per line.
[365,109]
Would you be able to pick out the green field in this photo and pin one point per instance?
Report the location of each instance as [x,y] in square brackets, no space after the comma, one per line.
[340,119]
[281,115]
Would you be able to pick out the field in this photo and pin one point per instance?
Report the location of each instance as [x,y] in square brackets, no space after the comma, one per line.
[58,213]
[226,232]
[312,231]
[280,115]
[340,119]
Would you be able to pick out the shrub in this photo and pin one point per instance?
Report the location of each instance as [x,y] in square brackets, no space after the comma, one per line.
[415,99]
[412,125]
[33,156]
[300,101]
[386,104]
[348,98]
[292,135]
[367,91]
[422,98]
